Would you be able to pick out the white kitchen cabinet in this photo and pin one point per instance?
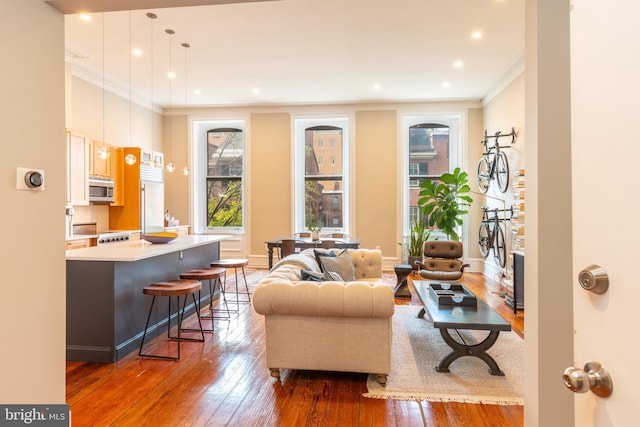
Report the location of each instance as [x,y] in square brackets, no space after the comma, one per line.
[98,166]
[81,243]
[77,168]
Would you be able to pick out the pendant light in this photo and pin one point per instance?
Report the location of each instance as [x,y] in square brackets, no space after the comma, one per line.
[130,158]
[185,170]
[152,161]
[103,153]
[170,165]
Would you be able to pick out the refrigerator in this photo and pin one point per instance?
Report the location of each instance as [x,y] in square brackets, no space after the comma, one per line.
[151,207]
[151,195]
[143,207]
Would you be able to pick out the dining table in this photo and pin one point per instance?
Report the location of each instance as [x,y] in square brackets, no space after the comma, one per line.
[306,243]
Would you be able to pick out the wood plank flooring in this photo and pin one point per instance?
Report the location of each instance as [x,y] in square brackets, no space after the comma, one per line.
[225,382]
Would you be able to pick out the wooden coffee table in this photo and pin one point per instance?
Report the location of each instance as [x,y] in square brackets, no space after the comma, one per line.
[449,318]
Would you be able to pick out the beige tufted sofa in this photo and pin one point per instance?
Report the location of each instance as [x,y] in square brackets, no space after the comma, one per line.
[328,326]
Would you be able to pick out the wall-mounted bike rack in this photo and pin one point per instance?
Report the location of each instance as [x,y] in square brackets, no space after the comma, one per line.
[494,164]
[499,135]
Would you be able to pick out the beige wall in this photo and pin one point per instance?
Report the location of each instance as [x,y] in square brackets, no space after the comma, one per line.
[376,163]
[376,140]
[270,190]
[376,147]
[32,362]
[376,178]
[176,184]
[475,129]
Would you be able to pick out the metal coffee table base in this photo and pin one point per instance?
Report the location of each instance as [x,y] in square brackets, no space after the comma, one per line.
[460,349]
[476,350]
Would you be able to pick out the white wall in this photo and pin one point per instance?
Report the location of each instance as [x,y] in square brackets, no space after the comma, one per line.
[32,290]
[504,111]
[115,125]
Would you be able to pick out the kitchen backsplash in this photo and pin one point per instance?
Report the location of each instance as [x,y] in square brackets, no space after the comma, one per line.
[93,213]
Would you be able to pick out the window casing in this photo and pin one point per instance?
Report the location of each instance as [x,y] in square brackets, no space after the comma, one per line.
[224,183]
[219,176]
[431,147]
[321,193]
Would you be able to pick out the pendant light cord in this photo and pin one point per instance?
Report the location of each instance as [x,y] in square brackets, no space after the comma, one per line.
[185,170]
[152,16]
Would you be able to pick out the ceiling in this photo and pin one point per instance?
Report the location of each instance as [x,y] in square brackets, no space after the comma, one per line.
[302,51]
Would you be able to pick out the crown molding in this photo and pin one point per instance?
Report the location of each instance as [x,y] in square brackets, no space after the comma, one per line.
[513,71]
[110,86]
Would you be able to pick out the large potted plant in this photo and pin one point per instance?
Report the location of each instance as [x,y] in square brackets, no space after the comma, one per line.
[445,201]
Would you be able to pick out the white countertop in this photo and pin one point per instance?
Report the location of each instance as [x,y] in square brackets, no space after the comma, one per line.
[81,236]
[134,250]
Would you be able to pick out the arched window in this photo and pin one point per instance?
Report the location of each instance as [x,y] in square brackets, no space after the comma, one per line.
[431,146]
[320,186]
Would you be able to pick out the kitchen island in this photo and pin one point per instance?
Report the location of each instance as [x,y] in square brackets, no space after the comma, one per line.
[106,309]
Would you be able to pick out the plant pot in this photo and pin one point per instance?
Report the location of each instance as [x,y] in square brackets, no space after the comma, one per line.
[411,260]
[315,236]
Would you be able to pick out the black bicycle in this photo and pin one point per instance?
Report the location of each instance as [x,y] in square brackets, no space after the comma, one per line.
[491,235]
[494,164]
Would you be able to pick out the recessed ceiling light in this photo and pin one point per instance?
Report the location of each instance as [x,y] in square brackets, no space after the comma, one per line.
[256,90]
[476,35]
[85,17]
[446,85]
[171,75]
[136,52]
[377,86]
[458,64]
[197,91]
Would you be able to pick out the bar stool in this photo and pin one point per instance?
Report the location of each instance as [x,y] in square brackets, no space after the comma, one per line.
[211,274]
[173,288]
[235,263]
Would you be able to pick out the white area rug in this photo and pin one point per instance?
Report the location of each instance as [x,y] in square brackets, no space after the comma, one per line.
[418,348]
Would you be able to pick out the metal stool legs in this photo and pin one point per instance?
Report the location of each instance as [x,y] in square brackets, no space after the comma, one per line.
[217,283]
[178,338]
[248,300]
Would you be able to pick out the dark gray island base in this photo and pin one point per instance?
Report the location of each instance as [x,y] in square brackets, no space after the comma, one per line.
[106,309]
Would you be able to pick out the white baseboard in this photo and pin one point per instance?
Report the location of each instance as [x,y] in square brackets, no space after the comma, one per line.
[491,270]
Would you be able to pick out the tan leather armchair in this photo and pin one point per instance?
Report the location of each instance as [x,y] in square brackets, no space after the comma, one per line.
[442,260]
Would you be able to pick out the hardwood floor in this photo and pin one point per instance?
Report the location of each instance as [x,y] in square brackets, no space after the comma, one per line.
[225,381]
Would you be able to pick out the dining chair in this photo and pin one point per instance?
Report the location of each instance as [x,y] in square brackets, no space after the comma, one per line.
[336,235]
[328,244]
[339,235]
[286,247]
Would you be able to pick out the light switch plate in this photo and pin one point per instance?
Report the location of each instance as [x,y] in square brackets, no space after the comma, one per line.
[20,179]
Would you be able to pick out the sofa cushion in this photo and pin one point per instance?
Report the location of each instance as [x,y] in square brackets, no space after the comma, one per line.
[340,264]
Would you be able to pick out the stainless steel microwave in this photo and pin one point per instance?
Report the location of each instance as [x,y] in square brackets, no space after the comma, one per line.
[100,190]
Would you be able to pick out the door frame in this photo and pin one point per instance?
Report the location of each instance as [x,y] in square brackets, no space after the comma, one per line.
[549,253]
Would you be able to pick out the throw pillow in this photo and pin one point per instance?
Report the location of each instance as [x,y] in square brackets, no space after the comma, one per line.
[314,276]
[340,264]
[320,253]
[311,276]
